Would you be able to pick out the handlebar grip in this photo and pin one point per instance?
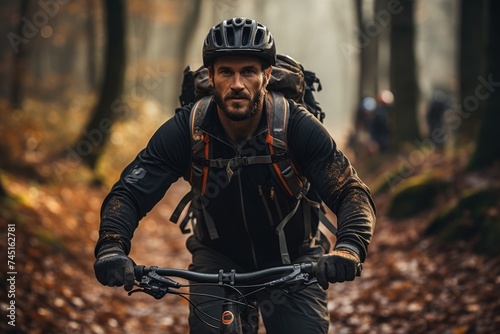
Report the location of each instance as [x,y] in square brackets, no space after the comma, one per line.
[139,272]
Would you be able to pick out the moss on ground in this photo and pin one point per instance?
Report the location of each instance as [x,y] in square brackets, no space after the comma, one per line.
[474,218]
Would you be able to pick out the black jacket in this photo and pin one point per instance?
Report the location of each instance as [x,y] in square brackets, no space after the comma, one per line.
[247,209]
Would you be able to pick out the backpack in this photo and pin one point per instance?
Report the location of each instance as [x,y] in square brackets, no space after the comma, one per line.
[288,77]
[289,80]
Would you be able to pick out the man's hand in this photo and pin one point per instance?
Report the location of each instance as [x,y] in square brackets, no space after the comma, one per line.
[113,267]
[339,266]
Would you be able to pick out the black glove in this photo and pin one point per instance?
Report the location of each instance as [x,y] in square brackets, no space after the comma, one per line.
[338,266]
[113,267]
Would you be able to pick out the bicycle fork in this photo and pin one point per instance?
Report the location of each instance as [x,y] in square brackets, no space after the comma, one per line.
[230,322]
[231,315]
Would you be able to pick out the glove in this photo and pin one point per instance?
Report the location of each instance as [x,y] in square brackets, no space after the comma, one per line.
[113,267]
[339,266]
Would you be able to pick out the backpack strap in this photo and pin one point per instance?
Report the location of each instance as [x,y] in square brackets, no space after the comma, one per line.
[200,144]
[307,204]
[295,185]
[178,211]
[276,138]
[278,113]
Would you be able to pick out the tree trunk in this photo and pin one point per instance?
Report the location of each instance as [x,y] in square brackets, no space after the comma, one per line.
[187,32]
[98,129]
[368,30]
[16,98]
[358,8]
[3,193]
[488,145]
[473,32]
[383,19]
[92,44]
[404,86]
[189,28]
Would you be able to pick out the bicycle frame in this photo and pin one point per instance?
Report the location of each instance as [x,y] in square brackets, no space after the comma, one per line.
[155,281]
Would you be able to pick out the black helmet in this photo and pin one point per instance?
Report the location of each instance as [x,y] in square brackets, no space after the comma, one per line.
[239,36]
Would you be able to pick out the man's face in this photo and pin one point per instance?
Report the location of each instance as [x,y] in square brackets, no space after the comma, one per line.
[239,83]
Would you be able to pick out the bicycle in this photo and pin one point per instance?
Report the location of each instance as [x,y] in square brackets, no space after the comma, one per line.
[157,282]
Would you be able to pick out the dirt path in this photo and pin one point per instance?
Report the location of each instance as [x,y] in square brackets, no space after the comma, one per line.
[409,284]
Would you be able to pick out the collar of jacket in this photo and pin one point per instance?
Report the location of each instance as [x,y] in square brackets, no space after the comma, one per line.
[212,125]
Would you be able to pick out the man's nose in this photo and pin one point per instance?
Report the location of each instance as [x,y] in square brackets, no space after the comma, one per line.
[237,82]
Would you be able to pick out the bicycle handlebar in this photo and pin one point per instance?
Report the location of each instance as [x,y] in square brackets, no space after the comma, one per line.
[157,283]
[231,277]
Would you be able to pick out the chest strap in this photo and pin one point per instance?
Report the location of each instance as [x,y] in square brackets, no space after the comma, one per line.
[296,186]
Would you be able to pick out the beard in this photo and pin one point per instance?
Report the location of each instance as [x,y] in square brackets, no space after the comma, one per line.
[229,112]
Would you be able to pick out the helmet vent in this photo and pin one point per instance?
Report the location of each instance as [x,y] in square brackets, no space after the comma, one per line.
[245,38]
[239,36]
[218,37]
[230,37]
[259,36]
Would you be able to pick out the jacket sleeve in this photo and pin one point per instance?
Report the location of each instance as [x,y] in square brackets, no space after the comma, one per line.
[146,179]
[317,157]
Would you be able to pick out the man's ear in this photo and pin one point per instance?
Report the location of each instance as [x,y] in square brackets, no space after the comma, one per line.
[268,74]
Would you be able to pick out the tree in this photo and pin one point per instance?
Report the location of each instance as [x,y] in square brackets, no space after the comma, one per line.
[92,44]
[3,193]
[488,145]
[383,19]
[188,29]
[367,53]
[370,26]
[97,130]
[20,60]
[472,48]
[403,75]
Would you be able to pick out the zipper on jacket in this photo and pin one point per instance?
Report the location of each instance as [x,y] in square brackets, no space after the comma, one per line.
[264,201]
[272,195]
[245,223]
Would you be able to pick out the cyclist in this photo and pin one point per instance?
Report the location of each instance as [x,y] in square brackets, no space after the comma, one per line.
[245,209]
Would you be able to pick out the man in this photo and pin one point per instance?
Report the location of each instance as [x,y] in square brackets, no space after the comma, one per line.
[247,206]
[379,122]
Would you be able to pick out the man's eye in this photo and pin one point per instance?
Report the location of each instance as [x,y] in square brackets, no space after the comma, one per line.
[248,72]
[225,72]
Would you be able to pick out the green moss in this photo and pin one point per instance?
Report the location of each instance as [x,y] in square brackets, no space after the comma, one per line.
[489,236]
[414,195]
[383,182]
[474,218]
[15,210]
[50,238]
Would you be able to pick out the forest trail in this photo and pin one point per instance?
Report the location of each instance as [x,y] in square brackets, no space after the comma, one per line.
[410,284]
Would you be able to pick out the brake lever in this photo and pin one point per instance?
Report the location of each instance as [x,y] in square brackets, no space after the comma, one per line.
[295,281]
[299,282]
[153,276]
[156,285]
[156,291]
[292,277]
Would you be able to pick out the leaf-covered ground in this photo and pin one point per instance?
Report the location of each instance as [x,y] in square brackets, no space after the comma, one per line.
[410,284]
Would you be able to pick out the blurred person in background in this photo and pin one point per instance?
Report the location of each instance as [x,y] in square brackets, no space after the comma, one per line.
[379,124]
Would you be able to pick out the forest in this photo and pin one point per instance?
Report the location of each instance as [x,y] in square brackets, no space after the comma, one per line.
[411,94]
